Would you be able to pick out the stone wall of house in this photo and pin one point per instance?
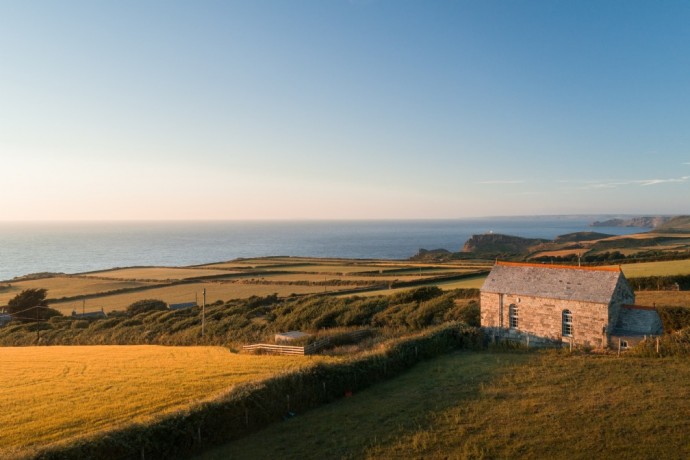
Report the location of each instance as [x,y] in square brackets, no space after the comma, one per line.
[541,318]
[622,295]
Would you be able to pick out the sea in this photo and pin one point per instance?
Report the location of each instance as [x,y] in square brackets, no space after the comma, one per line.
[77,247]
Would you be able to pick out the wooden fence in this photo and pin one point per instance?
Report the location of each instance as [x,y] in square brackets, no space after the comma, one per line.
[310,349]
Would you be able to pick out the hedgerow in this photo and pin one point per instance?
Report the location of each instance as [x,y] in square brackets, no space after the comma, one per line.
[250,407]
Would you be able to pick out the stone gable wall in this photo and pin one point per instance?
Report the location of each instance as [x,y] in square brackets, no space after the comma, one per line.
[540,319]
[622,295]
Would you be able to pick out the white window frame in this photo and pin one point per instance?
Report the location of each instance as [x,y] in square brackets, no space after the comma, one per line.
[567,323]
[513,316]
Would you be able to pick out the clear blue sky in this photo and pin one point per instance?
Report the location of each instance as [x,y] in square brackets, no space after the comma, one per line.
[342,109]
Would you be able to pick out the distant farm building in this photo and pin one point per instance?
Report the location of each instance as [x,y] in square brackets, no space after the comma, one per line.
[555,304]
[99,314]
[286,337]
[5,318]
[181,306]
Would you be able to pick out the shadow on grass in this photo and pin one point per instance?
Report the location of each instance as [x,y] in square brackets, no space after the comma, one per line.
[378,415]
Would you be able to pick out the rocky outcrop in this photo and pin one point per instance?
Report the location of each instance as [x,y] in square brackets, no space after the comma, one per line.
[496,243]
[643,222]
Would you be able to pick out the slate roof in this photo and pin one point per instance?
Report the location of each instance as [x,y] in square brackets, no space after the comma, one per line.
[635,320]
[5,318]
[181,306]
[587,284]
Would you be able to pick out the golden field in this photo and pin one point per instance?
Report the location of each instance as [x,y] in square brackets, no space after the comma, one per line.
[666,268]
[188,293]
[68,286]
[56,394]
[157,273]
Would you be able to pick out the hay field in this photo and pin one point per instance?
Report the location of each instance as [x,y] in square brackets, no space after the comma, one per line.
[189,292]
[53,394]
[68,286]
[663,298]
[315,277]
[325,268]
[157,273]
[467,283]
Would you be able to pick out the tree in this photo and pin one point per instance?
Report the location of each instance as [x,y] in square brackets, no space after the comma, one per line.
[30,305]
[142,306]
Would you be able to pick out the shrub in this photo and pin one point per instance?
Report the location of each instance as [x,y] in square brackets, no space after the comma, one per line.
[674,318]
[146,305]
[467,312]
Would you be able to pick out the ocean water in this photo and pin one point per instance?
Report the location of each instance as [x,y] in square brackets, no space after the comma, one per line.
[86,246]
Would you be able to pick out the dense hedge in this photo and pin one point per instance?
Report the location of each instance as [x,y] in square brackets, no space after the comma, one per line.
[250,407]
[250,320]
[674,344]
[658,283]
[674,318]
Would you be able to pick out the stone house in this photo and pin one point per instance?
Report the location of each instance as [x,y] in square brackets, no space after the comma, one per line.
[555,304]
[98,314]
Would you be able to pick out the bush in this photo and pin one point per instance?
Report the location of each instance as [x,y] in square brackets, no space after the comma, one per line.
[467,312]
[674,318]
[146,305]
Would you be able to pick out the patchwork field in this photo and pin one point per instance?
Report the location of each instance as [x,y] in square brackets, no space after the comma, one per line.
[68,286]
[112,386]
[497,405]
[283,276]
[190,292]
[474,282]
[157,273]
[239,279]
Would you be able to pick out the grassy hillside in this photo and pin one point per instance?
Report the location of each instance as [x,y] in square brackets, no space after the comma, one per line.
[497,405]
[56,394]
[679,223]
[250,320]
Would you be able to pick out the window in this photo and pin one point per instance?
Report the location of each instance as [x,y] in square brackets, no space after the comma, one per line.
[567,323]
[513,311]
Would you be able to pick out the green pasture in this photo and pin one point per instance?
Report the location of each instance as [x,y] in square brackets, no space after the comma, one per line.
[496,405]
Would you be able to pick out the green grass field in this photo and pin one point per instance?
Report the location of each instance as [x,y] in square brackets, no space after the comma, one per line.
[497,405]
[671,267]
[54,394]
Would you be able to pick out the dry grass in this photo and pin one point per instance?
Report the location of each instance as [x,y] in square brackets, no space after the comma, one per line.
[665,298]
[467,283]
[157,273]
[53,394]
[497,405]
[315,277]
[324,268]
[189,292]
[68,286]
[557,253]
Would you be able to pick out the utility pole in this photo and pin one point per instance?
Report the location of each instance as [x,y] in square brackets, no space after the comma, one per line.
[203,314]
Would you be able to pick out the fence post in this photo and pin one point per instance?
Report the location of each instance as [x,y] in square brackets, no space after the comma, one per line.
[657,345]
[619,347]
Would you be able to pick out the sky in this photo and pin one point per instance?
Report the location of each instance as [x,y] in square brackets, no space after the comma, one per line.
[342,109]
